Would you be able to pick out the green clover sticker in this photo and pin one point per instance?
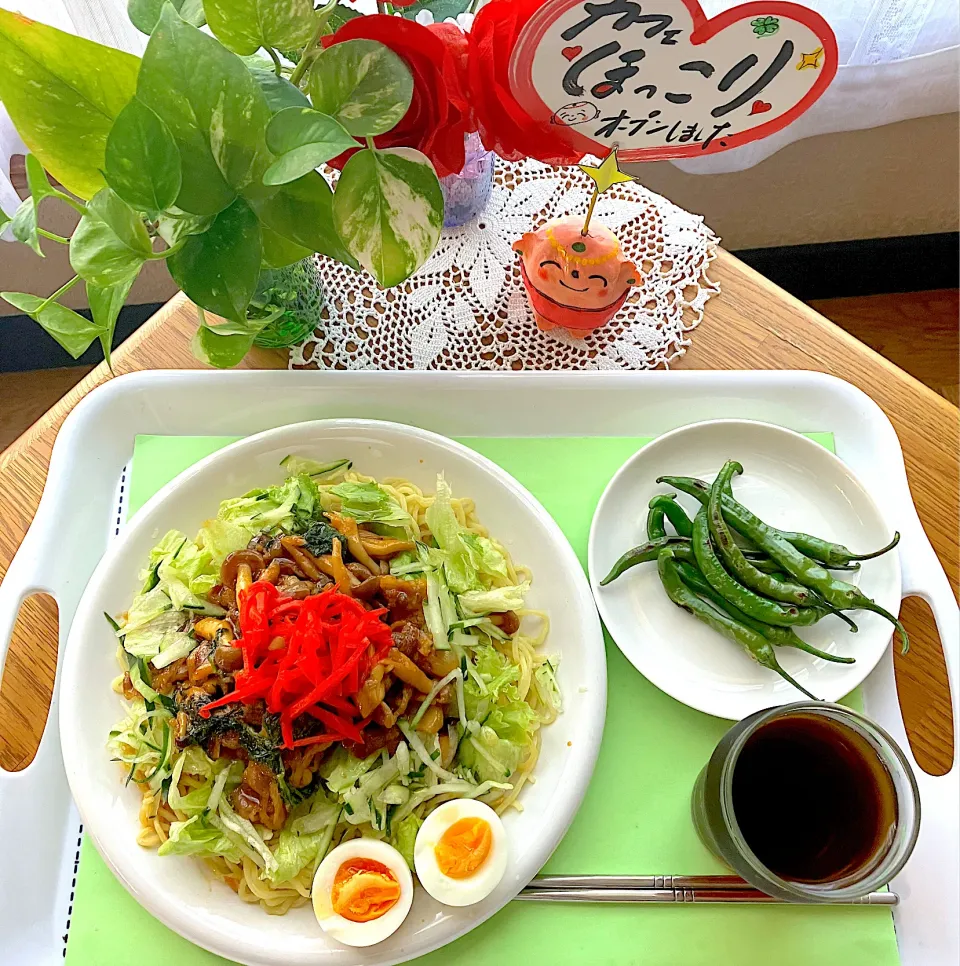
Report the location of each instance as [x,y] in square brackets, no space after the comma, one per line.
[765,26]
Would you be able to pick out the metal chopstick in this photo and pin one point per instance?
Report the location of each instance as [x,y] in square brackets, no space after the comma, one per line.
[667,889]
[639,882]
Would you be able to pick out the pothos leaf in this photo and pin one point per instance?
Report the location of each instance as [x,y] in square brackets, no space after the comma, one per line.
[214,109]
[278,252]
[144,14]
[27,216]
[278,91]
[340,14]
[363,84]
[218,270]
[388,211]
[244,26]
[301,212]
[69,328]
[111,243]
[303,139]
[105,303]
[142,161]
[84,87]
[223,346]
[37,181]
[23,225]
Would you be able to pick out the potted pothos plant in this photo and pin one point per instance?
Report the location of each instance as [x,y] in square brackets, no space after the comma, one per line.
[204,153]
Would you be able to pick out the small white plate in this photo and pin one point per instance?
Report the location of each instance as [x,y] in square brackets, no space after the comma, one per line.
[179,890]
[790,482]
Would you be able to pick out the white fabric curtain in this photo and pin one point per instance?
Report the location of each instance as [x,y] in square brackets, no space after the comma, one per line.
[899,60]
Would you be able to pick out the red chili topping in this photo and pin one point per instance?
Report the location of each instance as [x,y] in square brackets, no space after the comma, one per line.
[306,657]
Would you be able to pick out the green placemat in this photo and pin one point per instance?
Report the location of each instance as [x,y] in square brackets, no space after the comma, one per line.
[635,817]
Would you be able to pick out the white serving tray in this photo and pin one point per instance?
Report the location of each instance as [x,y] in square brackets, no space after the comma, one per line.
[82,509]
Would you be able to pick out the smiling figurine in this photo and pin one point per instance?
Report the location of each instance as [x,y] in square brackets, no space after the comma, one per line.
[577,276]
[574,281]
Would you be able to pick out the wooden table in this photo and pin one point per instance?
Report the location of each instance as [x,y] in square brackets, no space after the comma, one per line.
[751,324]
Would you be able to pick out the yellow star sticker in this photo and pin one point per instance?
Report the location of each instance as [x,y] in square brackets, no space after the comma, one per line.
[607,173]
[810,60]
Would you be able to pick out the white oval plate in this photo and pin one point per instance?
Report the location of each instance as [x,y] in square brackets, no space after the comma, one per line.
[790,482]
[178,890]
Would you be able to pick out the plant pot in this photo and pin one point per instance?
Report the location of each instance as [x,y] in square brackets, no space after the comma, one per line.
[297,289]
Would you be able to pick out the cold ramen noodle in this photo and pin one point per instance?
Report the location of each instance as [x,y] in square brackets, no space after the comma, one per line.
[330,658]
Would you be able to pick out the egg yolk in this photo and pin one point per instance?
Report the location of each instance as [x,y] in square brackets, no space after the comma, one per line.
[464,847]
[364,889]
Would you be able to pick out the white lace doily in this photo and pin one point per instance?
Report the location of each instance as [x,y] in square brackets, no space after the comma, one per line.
[467,309]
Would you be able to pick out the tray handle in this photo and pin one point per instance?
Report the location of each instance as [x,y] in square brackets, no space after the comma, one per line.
[37,568]
[924,577]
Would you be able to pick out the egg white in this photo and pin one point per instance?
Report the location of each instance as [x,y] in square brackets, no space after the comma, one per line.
[459,892]
[361,933]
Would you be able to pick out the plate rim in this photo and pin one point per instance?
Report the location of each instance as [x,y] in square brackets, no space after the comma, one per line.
[598,592]
[179,918]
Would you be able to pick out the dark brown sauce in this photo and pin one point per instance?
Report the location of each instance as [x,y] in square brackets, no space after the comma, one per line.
[813,800]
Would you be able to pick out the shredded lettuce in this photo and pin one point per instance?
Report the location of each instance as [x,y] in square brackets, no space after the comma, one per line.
[490,678]
[247,838]
[221,538]
[292,506]
[365,803]
[405,836]
[476,603]
[484,555]
[159,634]
[220,777]
[489,757]
[417,561]
[305,839]
[458,567]
[146,607]
[369,503]
[500,724]
[179,576]
[197,836]
[173,651]
[143,741]
[341,770]
[177,559]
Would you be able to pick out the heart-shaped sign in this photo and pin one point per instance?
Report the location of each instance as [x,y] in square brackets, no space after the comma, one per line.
[660,80]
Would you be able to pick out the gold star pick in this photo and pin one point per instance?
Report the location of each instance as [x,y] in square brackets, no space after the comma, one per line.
[607,173]
[811,60]
[605,176]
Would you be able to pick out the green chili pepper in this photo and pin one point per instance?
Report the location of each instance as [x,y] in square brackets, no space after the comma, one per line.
[835,556]
[787,591]
[755,644]
[646,552]
[668,506]
[759,608]
[808,572]
[656,528]
[782,589]
[780,636]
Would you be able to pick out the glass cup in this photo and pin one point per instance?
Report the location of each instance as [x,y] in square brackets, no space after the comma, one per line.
[466,193]
[736,835]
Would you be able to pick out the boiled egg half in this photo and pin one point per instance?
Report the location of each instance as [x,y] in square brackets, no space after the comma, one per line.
[461,852]
[362,892]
